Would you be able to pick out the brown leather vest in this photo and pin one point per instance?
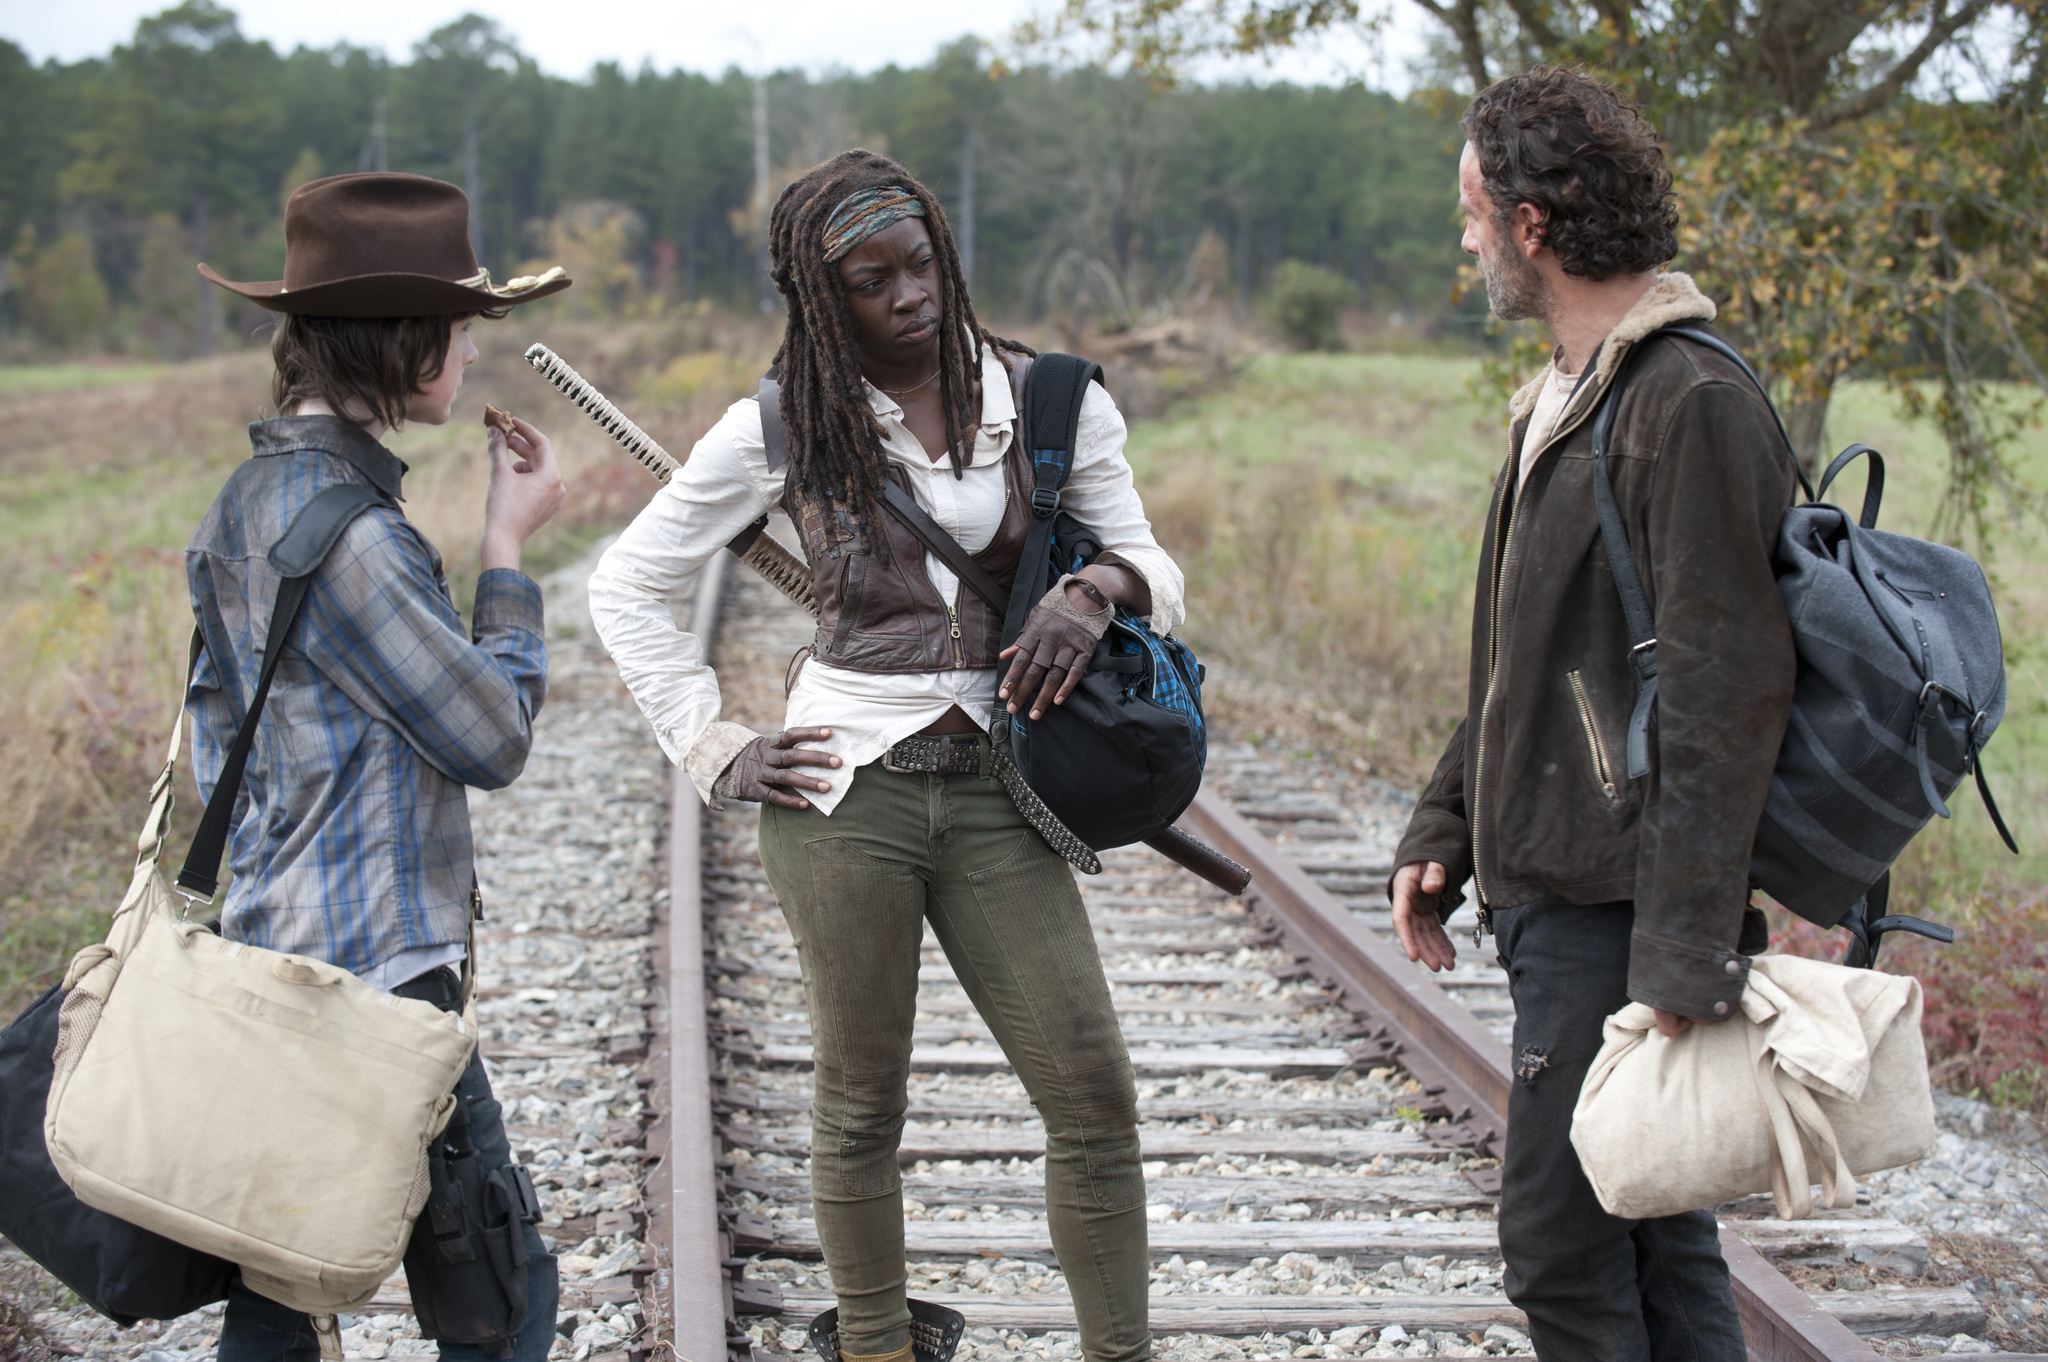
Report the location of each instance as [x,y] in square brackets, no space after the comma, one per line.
[886,616]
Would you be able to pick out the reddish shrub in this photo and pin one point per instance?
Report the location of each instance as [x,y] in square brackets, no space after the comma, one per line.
[1986,1017]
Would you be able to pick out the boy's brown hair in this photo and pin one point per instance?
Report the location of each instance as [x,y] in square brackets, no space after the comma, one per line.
[1587,159]
[365,369]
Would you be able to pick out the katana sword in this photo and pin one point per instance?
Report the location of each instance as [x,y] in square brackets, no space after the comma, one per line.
[792,577]
[760,551]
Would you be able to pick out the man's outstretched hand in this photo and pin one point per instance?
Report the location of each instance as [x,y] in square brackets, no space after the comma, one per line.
[1418,886]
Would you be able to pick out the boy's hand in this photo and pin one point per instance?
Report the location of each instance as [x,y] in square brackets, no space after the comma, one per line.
[525,492]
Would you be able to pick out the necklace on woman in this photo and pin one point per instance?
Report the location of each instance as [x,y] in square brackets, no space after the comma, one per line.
[905,392]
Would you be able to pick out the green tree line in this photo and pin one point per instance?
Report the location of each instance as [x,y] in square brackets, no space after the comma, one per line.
[1081,193]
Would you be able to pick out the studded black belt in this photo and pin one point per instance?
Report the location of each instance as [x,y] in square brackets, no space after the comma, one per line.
[954,754]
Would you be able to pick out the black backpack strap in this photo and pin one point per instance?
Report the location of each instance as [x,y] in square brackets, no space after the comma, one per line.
[1867,922]
[1873,491]
[296,556]
[1048,427]
[1628,583]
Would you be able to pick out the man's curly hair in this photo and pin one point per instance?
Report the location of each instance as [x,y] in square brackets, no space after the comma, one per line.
[1587,159]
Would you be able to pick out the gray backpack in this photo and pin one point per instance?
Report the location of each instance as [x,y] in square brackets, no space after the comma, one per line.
[1901,683]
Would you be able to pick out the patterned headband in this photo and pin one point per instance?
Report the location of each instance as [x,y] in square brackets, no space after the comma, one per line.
[860,215]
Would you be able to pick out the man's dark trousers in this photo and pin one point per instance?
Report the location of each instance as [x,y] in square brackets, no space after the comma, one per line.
[1596,1288]
[258,1329]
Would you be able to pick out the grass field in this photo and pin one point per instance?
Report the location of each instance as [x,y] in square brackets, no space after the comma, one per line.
[1326,509]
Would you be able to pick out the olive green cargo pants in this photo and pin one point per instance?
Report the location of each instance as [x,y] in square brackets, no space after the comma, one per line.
[857,889]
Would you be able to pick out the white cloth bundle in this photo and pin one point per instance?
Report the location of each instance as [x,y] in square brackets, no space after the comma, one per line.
[1823,1075]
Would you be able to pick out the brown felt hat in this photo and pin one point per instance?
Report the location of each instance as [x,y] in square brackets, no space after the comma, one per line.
[382,245]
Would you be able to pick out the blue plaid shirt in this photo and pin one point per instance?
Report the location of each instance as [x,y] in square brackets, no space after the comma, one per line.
[352,841]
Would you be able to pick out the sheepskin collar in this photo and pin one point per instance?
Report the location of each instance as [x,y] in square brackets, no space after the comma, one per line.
[1672,299]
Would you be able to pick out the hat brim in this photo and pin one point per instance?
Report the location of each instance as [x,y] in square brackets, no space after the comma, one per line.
[396,294]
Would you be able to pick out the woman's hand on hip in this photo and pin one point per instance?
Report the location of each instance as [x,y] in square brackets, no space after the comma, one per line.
[765,770]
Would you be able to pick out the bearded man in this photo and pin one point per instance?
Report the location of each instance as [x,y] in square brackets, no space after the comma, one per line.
[1601,889]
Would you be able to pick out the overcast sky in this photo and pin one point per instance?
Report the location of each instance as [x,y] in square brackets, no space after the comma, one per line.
[568,36]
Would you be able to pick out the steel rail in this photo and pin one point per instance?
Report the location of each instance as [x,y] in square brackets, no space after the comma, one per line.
[1468,1070]
[702,1292]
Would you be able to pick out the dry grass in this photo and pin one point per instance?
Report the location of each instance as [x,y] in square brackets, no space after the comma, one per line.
[1326,510]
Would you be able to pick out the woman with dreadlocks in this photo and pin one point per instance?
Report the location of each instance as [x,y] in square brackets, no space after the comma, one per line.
[881,810]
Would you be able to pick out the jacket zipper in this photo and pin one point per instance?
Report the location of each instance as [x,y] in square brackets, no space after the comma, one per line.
[1601,769]
[953,619]
[1486,704]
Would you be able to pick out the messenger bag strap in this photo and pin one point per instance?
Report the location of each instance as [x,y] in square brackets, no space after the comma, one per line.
[775,438]
[163,794]
[943,546]
[295,557]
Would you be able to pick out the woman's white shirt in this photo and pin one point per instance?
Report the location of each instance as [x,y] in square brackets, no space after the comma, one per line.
[725,486]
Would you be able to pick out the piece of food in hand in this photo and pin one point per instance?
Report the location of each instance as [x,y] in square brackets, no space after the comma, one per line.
[499,417]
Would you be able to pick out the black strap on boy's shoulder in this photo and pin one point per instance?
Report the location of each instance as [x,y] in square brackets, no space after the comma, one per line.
[304,545]
[1049,426]
[1628,582]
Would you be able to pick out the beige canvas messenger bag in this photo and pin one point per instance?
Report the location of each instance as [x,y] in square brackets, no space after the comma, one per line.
[266,1108]
[1821,1077]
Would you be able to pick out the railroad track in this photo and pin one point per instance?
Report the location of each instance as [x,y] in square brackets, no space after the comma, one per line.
[1321,1120]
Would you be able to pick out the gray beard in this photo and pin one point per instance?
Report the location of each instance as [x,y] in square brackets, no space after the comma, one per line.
[1515,289]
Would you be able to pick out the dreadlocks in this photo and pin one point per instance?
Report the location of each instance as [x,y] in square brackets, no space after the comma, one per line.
[835,440]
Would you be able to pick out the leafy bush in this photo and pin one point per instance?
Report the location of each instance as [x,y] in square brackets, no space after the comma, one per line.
[1306,301]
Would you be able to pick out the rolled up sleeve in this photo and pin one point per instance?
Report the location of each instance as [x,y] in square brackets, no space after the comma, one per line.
[719,492]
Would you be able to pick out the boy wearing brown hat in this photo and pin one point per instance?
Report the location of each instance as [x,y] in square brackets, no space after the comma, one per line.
[352,841]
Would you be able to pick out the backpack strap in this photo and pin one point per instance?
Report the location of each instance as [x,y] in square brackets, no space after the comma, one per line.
[1048,425]
[1628,583]
[1873,491]
[295,557]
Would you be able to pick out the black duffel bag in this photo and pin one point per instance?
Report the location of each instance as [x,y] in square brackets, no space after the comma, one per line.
[1122,756]
[124,1272]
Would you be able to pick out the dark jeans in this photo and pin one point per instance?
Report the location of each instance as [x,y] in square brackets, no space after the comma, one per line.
[1593,1285]
[258,1329]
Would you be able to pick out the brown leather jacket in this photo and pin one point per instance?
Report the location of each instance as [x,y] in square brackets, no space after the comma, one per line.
[879,612]
[1531,797]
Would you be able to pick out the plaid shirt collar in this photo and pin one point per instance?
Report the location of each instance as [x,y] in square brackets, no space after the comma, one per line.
[332,435]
